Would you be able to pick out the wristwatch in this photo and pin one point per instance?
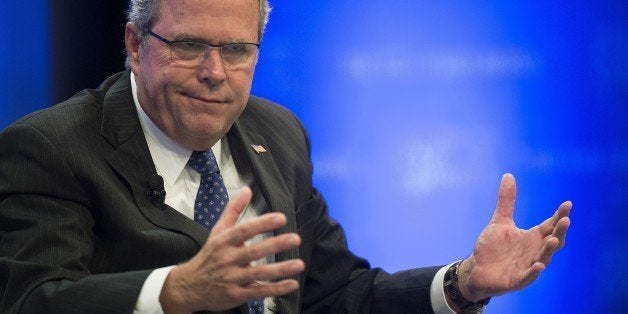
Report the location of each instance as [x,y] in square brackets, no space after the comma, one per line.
[453,291]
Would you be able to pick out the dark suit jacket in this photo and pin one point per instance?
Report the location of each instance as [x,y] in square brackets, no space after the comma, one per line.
[79,234]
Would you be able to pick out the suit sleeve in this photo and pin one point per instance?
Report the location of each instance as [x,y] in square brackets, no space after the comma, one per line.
[46,235]
[337,281]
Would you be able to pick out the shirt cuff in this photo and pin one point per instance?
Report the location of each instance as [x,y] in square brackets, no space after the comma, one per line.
[437,292]
[148,301]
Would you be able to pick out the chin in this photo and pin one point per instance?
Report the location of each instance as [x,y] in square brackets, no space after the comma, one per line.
[208,131]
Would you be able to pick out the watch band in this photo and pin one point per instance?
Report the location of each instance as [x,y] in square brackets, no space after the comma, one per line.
[453,291]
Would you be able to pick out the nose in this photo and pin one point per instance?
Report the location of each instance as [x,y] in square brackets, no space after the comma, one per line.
[212,70]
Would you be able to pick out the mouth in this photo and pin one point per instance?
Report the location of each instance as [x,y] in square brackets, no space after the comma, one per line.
[210,100]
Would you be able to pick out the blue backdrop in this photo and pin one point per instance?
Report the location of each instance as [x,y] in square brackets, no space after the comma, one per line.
[416,108]
[24,58]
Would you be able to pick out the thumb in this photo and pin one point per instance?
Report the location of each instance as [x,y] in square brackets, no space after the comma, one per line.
[505,199]
[232,211]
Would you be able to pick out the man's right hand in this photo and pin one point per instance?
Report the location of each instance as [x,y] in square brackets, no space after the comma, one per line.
[220,275]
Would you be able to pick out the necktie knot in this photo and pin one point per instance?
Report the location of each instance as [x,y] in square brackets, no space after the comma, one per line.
[204,162]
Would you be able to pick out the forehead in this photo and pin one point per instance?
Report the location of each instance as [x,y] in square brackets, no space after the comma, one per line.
[214,19]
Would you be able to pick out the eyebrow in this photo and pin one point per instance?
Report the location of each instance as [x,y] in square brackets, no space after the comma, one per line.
[192,38]
[189,37]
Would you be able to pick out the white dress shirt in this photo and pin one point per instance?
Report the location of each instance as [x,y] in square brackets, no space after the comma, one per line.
[181,183]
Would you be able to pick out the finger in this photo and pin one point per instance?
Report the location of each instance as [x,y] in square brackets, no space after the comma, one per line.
[531,275]
[265,223]
[505,200]
[269,289]
[549,225]
[266,247]
[267,272]
[554,242]
[550,246]
[564,209]
[560,232]
[232,211]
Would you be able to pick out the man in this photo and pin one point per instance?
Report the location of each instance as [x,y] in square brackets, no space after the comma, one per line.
[85,227]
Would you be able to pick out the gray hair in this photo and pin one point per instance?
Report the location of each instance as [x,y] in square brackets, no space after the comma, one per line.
[144,13]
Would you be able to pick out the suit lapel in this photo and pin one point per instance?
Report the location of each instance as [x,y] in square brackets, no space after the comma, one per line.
[272,187]
[132,161]
[267,175]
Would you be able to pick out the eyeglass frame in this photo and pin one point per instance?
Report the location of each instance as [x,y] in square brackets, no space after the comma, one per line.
[170,43]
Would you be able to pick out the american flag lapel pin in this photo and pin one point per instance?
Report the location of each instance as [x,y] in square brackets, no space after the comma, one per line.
[258,148]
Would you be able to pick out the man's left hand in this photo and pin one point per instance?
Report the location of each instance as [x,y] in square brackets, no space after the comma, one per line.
[506,258]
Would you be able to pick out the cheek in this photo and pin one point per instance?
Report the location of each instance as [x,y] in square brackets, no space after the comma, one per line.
[168,86]
[241,84]
[168,104]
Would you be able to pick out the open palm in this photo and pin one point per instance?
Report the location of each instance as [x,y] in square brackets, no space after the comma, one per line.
[506,258]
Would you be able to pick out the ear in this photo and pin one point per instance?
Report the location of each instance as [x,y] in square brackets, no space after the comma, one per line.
[132,42]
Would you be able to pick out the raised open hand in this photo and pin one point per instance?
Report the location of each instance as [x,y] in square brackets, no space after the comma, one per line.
[506,258]
[221,276]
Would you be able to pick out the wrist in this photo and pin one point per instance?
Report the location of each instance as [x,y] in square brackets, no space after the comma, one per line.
[456,297]
[464,283]
[170,298]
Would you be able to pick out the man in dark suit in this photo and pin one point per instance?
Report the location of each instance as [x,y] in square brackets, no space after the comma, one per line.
[85,226]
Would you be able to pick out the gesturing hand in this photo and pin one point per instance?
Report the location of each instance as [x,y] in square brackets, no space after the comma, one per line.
[220,275]
[506,258]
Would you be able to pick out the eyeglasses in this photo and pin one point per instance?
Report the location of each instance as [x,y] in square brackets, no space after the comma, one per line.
[193,53]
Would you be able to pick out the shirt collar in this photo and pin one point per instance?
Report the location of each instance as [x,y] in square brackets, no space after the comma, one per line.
[170,157]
